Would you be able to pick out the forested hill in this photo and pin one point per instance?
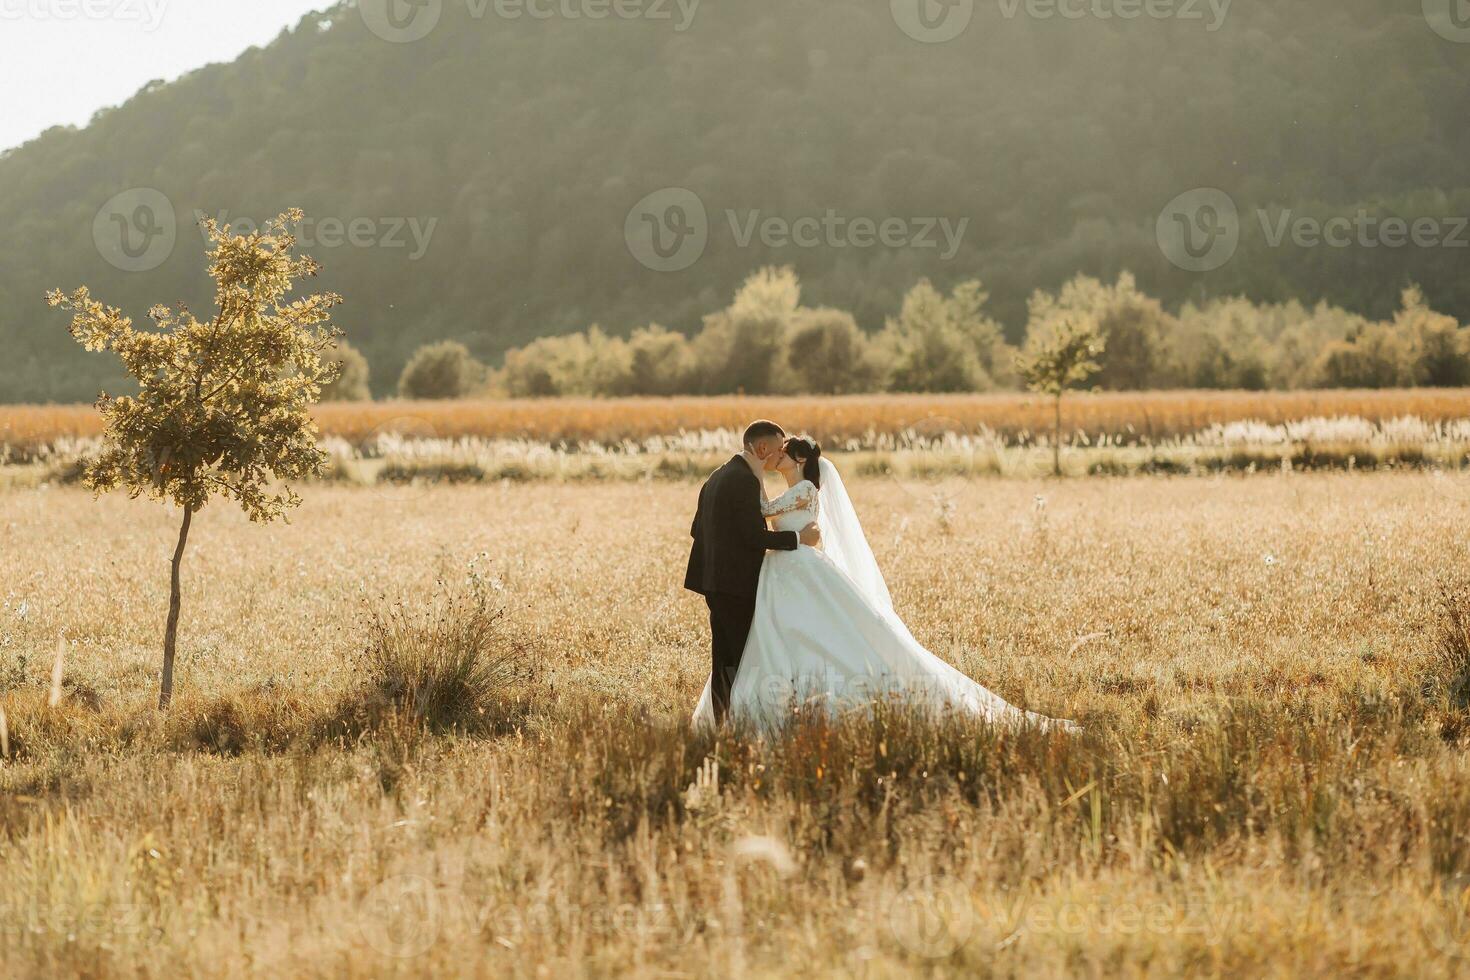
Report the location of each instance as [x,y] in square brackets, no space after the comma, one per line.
[525,143]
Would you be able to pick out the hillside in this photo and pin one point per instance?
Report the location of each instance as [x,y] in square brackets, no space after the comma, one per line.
[509,153]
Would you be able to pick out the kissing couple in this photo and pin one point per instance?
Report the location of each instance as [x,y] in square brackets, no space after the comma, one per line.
[799,611]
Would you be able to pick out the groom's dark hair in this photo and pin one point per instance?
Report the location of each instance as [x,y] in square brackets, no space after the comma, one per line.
[762,429]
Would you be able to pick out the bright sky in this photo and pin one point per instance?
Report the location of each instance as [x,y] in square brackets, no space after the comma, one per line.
[62,60]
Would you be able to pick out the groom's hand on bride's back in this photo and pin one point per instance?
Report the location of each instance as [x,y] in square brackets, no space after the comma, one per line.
[811,535]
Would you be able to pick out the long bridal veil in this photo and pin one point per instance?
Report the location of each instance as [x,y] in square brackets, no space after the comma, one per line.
[843,539]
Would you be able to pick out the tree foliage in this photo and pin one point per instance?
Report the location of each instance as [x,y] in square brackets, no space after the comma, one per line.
[221,408]
[1062,355]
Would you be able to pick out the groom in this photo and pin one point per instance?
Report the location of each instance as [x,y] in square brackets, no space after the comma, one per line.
[730,542]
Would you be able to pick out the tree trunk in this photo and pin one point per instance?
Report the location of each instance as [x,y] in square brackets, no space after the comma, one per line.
[1056,440]
[171,631]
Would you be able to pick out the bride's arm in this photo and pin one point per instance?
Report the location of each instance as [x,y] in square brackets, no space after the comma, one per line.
[796,498]
[800,497]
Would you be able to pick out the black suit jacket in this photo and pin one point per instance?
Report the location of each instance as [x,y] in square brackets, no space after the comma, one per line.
[730,535]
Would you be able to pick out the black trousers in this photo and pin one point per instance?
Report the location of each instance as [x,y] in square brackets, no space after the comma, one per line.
[729,624]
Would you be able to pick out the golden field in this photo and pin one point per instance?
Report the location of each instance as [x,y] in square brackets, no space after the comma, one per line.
[1272,780]
[1147,416]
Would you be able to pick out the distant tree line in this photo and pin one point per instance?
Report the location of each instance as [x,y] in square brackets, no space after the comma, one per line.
[1060,139]
[767,342]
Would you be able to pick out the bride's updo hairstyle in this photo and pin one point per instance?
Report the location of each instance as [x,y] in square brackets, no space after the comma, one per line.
[809,454]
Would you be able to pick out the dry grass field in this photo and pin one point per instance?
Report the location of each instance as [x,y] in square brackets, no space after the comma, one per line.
[1272,781]
[1143,415]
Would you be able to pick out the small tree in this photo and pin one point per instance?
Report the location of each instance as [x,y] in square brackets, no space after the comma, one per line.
[222,405]
[442,370]
[1059,356]
[1133,325]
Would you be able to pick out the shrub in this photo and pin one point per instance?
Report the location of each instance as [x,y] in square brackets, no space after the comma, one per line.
[443,668]
[583,364]
[1373,358]
[660,362]
[827,353]
[431,471]
[351,384]
[442,370]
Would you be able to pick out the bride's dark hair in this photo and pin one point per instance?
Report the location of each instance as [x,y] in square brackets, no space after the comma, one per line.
[809,454]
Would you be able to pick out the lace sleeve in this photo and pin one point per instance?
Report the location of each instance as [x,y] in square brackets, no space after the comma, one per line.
[803,496]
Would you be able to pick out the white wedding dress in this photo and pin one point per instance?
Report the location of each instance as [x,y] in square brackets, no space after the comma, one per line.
[825,631]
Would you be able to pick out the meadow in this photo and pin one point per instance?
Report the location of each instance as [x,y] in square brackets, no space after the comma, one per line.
[1129,417]
[1273,675]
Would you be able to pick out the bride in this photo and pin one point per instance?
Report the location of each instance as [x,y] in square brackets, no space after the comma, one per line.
[825,630]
